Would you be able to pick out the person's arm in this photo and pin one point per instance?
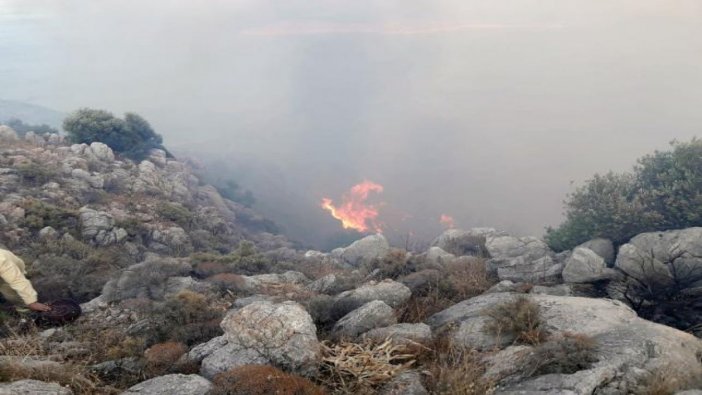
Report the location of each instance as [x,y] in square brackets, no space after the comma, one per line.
[13,276]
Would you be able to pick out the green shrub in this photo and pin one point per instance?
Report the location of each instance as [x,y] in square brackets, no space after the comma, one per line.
[38,215]
[187,317]
[177,213]
[244,260]
[22,128]
[663,192]
[36,174]
[132,137]
[519,319]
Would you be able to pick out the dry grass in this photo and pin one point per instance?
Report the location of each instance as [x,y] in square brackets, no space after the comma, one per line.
[519,319]
[352,368]
[468,277]
[565,353]
[262,380]
[162,358]
[455,370]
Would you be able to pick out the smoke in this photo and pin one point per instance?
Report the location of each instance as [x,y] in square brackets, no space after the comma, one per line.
[488,111]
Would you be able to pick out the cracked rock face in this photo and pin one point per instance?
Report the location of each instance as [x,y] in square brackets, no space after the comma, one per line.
[182,384]
[626,344]
[282,333]
[522,259]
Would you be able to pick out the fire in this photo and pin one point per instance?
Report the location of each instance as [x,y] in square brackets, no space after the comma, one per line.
[354,212]
[447,221]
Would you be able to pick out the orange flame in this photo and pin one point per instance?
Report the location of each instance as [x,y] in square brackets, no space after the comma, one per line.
[354,212]
[447,221]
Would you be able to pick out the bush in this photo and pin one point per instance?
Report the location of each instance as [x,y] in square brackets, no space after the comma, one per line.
[663,192]
[36,174]
[325,310]
[22,128]
[245,260]
[145,280]
[186,317]
[392,265]
[176,213]
[456,370]
[38,215]
[162,358]
[133,137]
[563,354]
[519,319]
[262,380]
[352,368]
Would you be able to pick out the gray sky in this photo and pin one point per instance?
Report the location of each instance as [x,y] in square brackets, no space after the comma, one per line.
[483,110]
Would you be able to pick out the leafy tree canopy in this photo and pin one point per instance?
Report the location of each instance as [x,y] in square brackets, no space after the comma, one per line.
[664,191]
[132,136]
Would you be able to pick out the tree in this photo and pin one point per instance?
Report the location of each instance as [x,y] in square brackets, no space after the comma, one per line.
[664,191]
[22,128]
[132,137]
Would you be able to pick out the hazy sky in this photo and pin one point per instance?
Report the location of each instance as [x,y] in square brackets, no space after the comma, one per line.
[483,110]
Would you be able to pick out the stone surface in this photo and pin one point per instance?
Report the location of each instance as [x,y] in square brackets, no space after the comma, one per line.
[33,387]
[522,259]
[557,290]
[464,242]
[601,247]
[405,383]
[391,292]
[366,250]
[283,333]
[375,314]
[402,334]
[170,384]
[626,343]
[585,266]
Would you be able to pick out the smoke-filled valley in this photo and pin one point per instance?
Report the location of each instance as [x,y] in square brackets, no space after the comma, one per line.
[309,197]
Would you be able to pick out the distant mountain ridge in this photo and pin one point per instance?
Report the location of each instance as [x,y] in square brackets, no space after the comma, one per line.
[30,113]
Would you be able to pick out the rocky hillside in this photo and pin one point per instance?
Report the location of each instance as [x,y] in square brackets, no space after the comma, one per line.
[78,213]
[191,297]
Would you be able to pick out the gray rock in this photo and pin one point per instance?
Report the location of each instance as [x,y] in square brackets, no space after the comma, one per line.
[601,247]
[464,242]
[506,364]
[522,259]
[626,343]
[180,384]
[203,350]
[402,334]
[33,387]
[375,314]
[421,280]
[283,333]
[48,233]
[436,257]
[95,304]
[585,266]
[405,383]
[689,392]
[366,250]
[391,292]
[94,180]
[118,368]
[664,257]
[7,133]
[94,224]
[101,152]
[557,290]
[229,357]
[323,284]
[503,286]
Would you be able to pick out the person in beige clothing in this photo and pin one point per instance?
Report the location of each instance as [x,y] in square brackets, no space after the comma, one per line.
[14,286]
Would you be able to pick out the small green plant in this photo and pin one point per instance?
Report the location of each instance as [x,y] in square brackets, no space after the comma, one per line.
[39,214]
[177,213]
[36,174]
[519,319]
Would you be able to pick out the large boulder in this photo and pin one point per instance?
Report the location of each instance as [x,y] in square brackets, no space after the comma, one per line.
[7,133]
[101,152]
[375,314]
[391,292]
[282,333]
[601,247]
[626,344]
[522,259]
[586,266]
[366,250]
[180,384]
[664,257]
[464,242]
[33,387]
